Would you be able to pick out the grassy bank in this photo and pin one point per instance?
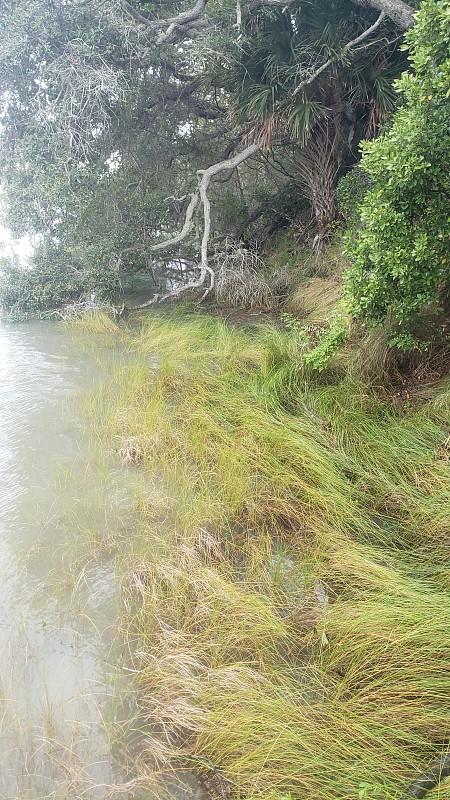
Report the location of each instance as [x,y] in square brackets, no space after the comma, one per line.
[286,592]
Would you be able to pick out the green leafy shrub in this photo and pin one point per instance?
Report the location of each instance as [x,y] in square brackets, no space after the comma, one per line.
[24,289]
[329,342]
[400,256]
[52,281]
[350,193]
[317,344]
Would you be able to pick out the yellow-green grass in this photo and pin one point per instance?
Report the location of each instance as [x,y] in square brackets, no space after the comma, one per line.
[316,298]
[286,593]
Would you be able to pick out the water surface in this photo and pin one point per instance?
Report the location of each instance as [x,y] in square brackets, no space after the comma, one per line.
[59,690]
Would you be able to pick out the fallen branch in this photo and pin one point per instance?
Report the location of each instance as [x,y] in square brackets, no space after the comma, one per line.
[437,770]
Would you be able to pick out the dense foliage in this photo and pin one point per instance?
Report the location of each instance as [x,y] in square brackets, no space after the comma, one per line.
[401,261]
[315,76]
[109,110]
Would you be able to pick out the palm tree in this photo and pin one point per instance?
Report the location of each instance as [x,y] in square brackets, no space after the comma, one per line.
[318,75]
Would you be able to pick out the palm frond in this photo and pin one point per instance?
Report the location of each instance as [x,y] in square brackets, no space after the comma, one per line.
[257,102]
[302,117]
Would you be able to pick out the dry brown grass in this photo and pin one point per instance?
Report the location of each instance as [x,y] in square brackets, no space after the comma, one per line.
[240,282]
[134,448]
[315,299]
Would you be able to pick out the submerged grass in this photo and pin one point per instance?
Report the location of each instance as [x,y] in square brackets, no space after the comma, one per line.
[286,594]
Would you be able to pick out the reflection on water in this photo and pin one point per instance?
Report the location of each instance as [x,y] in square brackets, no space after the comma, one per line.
[55,691]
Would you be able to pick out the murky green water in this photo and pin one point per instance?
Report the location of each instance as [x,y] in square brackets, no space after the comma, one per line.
[60,693]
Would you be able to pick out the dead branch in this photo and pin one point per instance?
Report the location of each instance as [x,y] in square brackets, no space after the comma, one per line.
[204,179]
[348,47]
[240,280]
[238,15]
[185,231]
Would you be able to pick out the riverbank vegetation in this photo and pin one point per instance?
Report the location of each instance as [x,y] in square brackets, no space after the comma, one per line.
[286,591]
[184,145]
[285,587]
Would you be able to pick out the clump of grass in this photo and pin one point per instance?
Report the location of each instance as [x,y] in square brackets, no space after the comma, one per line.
[287,607]
[315,299]
[91,319]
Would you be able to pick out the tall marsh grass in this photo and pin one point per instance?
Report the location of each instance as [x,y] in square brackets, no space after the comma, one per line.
[286,593]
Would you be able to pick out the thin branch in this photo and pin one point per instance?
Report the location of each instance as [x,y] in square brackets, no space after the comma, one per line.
[365,33]
[349,46]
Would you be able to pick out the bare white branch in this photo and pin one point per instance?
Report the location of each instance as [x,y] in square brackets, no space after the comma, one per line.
[238,15]
[348,47]
[204,177]
[185,231]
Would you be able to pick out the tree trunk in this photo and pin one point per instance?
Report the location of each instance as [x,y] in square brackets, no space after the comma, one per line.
[324,206]
[318,166]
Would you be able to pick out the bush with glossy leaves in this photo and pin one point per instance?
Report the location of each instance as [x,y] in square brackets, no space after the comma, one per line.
[400,255]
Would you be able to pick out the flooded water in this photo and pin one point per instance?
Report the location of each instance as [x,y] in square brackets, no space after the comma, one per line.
[59,688]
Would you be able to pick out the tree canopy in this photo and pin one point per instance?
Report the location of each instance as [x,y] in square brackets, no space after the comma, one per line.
[136,134]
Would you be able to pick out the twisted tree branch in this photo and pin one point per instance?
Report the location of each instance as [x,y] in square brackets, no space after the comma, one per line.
[186,229]
[176,27]
[204,179]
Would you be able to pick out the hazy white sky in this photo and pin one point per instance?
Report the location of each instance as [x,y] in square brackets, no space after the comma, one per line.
[23,248]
